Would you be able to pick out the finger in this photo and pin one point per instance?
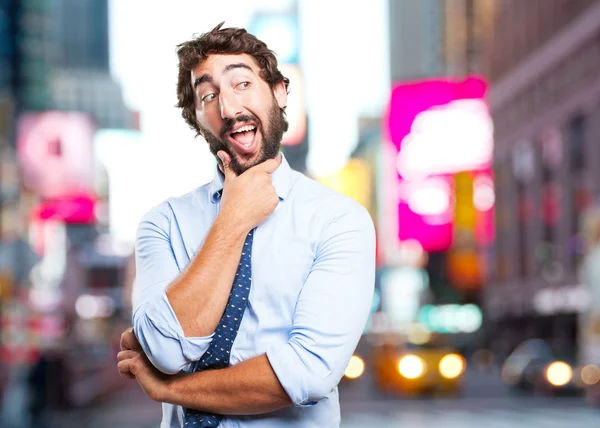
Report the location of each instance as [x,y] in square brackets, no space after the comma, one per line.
[270,165]
[226,165]
[127,354]
[126,369]
[127,375]
[129,341]
[126,339]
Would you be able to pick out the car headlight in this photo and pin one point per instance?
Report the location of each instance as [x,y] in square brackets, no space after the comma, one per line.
[590,374]
[411,366]
[451,366]
[356,367]
[559,373]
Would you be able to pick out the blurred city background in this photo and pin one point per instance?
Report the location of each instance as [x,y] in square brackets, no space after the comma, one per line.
[470,130]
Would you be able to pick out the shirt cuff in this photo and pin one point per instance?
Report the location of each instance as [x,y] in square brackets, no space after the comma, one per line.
[163,317]
[282,358]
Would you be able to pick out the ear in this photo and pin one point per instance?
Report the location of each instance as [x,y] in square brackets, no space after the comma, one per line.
[280,94]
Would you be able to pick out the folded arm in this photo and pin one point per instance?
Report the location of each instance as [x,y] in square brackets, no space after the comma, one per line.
[330,316]
[172,332]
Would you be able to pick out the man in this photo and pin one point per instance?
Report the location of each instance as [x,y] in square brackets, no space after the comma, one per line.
[252,291]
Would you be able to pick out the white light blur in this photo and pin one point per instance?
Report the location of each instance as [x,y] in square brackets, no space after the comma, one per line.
[559,373]
[455,137]
[401,290]
[469,318]
[562,300]
[355,368]
[49,272]
[142,175]
[45,299]
[89,307]
[451,366]
[347,74]
[108,245]
[429,198]
[483,194]
[411,367]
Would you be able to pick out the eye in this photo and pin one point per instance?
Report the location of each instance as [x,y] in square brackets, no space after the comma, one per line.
[243,85]
[208,98]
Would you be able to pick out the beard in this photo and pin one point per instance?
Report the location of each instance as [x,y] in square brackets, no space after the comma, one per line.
[271,138]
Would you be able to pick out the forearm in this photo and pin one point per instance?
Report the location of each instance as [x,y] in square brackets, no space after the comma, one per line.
[250,387]
[207,280]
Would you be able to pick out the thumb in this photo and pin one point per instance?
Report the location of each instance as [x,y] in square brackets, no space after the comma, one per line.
[270,165]
[226,165]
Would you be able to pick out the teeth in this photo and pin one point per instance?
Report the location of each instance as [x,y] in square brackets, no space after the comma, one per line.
[244,129]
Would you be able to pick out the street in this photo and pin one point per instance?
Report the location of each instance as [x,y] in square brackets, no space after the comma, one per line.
[485,402]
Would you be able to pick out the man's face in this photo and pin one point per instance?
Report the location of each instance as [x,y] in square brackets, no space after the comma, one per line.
[237,111]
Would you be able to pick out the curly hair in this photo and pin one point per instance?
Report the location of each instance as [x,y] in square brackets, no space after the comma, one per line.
[228,41]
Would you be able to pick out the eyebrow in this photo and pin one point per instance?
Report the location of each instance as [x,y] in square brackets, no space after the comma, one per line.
[230,67]
[207,78]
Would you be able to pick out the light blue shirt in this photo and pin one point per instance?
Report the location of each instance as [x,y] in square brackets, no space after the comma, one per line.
[313,274]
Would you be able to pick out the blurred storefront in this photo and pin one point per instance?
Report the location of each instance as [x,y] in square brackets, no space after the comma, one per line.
[543,61]
[60,284]
[435,196]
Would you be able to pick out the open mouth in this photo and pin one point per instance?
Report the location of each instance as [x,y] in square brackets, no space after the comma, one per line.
[244,139]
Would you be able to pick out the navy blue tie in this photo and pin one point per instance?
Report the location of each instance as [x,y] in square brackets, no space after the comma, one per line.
[218,353]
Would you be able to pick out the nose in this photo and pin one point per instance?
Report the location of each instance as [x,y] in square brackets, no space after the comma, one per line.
[229,105]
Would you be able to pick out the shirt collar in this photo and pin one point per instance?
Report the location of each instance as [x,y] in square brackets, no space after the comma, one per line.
[282,182]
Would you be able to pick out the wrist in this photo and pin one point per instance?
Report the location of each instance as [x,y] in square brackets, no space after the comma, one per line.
[233,223]
[169,391]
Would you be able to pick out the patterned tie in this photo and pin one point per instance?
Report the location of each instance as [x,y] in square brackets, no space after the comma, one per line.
[217,355]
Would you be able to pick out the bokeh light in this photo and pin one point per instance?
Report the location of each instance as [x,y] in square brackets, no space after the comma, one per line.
[355,368]
[411,366]
[590,374]
[559,373]
[451,366]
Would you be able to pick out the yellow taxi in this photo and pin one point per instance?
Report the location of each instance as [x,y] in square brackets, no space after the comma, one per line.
[415,369]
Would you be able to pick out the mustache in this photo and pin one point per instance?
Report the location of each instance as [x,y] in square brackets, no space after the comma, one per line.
[230,123]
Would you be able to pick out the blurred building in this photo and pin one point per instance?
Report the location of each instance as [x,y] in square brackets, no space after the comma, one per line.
[416,42]
[94,92]
[81,31]
[56,56]
[435,38]
[467,24]
[543,60]
[442,40]
[81,80]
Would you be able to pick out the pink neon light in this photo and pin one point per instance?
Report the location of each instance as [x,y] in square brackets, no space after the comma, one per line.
[77,209]
[55,152]
[434,231]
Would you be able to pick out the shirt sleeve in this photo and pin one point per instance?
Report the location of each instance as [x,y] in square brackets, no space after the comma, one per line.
[331,311]
[154,321]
